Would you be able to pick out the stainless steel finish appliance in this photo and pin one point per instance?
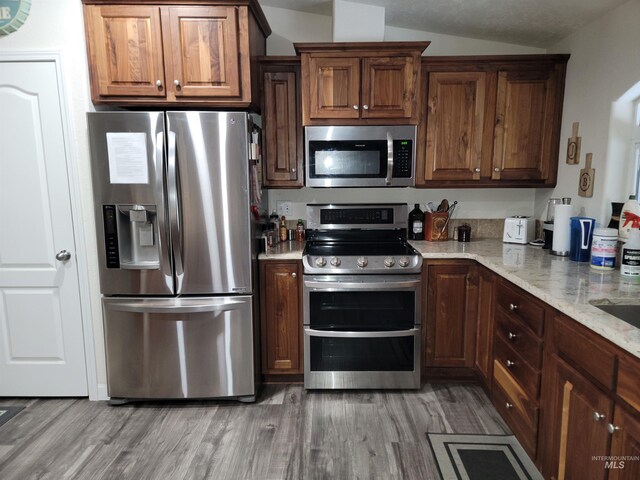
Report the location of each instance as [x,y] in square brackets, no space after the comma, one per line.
[177,252]
[361,299]
[363,156]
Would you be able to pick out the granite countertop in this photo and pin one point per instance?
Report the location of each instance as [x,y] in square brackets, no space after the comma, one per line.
[565,285]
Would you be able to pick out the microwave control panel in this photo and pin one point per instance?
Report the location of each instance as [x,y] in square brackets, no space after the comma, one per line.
[402,153]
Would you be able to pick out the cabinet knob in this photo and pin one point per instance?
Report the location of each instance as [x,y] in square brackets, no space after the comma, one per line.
[477,170]
[510,363]
[63,255]
[294,274]
[611,428]
[176,83]
[158,83]
[293,170]
[512,336]
[496,169]
[365,107]
[598,416]
[508,405]
[513,307]
[355,107]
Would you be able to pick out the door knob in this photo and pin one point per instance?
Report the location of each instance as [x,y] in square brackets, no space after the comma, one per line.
[63,255]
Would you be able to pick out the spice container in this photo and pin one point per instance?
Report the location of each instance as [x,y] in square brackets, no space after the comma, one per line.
[283,229]
[300,230]
[603,248]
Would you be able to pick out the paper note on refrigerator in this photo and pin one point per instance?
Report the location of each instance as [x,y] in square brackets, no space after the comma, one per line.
[127,157]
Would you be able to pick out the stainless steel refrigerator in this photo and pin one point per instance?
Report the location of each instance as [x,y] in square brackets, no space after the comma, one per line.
[177,251]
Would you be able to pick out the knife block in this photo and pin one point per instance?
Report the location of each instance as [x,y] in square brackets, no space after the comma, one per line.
[436,226]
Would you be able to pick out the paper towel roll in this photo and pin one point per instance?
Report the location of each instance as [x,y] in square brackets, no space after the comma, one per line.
[562,230]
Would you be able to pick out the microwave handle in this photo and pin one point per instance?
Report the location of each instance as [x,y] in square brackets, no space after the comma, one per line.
[389,159]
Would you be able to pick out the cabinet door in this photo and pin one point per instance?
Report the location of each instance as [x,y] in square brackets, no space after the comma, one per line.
[388,88]
[283,152]
[625,442]
[125,50]
[580,414]
[203,51]
[281,319]
[334,88]
[451,315]
[455,121]
[485,328]
[526,117]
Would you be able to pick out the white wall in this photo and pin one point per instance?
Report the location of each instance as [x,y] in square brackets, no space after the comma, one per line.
[290,26]
[58,26]
[604,65]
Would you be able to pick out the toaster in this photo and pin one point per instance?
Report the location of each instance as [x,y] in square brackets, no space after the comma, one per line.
[518,229]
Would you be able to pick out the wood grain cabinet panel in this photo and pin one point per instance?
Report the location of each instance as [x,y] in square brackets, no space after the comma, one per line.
[456,103]
[451,314]
[485,327]
[125,50]
[334,88]
[281,317]
[203,44]
[387,87]
[625,442]
[282,129]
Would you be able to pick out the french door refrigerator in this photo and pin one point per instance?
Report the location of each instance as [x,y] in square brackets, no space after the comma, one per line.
[177,253]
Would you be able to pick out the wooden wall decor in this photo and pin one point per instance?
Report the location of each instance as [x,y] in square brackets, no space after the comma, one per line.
[587,176]
[573,145]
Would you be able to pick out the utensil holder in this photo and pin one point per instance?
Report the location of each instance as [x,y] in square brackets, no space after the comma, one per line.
[436,226]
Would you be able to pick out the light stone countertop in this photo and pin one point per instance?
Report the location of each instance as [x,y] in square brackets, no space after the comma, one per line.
[565,285]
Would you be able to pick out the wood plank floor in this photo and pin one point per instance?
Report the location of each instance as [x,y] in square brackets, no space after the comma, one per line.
[288,434]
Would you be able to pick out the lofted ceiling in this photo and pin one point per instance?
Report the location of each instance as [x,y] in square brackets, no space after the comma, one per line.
[536,23]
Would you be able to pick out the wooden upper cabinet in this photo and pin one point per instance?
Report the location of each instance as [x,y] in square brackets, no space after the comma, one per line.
[456,105]
[282,131]
[204,51]
[490,121]
[360,83]
[334,88]
[174,52]
[526,113]
[125,51]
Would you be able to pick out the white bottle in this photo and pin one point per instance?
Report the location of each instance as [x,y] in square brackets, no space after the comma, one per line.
[630,213]
[630,265]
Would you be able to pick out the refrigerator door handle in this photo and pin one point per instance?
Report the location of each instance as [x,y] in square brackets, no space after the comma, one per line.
[165,249]
[172,308]
[174,210]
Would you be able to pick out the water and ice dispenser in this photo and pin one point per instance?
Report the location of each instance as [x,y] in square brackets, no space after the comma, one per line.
[131,236]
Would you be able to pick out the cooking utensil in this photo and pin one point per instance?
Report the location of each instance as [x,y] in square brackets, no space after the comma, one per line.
[444,205]
[452,207]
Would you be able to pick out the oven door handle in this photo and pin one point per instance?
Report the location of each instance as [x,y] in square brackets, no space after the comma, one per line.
[361,285]
[385,334]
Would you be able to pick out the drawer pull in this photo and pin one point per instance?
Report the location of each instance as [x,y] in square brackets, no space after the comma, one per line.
[513,307]
[598,416]
[512,336]
[510,364]
[508,405]
[611,428]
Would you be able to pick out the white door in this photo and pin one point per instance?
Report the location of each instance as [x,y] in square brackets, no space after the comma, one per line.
[41,338]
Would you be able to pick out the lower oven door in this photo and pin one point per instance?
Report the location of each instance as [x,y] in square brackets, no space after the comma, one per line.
[362,331]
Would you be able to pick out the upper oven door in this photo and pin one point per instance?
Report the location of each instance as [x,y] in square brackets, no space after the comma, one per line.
[366,156]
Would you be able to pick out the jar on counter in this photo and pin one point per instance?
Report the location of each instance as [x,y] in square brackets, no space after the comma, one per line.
[283,229]
[299,230]
[603,248]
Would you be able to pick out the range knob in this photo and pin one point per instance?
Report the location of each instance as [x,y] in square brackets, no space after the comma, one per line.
[321,262]
[403,262]
[389,262]
[335,261]
[362,262]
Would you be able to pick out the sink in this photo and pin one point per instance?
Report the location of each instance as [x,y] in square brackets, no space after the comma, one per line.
[626,313]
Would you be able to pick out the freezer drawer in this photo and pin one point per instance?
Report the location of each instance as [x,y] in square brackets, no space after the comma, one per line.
[179,347]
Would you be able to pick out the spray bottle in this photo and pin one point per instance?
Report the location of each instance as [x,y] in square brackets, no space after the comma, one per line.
[630,265]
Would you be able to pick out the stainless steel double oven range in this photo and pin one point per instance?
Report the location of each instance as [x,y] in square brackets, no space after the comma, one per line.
[362,298]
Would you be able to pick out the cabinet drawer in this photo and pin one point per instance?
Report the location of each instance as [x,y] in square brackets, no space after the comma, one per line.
[629,380]
[527,376]
[515,406]
[523,306]
[514,333]
[583,350]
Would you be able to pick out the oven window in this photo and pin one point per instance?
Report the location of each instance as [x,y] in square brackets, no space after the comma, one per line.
[362,311]
[393,354]
[341,159]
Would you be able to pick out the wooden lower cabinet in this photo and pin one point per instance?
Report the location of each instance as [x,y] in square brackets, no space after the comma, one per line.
[452,301]
[484,333]
[281,317]
[625,442]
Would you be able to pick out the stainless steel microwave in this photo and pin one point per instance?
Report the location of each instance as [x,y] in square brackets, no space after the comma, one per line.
[363,156]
